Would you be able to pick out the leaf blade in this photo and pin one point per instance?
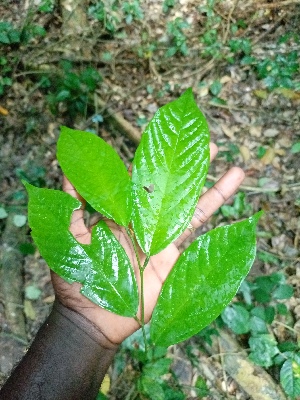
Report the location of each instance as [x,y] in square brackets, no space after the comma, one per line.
[97,173]
[118,292]
[49,216]
[195,291]
[103,269]
[173,159]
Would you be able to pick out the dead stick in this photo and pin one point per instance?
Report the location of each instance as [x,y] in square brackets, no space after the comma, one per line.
[278,5]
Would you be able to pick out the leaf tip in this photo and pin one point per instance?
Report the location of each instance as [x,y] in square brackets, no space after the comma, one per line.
[257,216]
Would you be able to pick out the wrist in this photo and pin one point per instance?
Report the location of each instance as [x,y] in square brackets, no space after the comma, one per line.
[85,324]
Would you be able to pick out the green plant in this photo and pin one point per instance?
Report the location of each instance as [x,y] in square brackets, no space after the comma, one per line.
[46,6]
[132,10]
[240,208]
[260,307]
[178,38]
[9,34]
[278,71]
[5,79]
[72,88]
[154,209]
[168,4]
[108,13]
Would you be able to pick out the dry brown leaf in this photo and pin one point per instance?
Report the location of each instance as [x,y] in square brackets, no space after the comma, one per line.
[280,152]
[262,94]
[288,93]
[203,91]
[49,299]
[271,132]
[255,131]
[268,156]
[245,153]
[29,311]
[3,111]
[225,79]
[228,131]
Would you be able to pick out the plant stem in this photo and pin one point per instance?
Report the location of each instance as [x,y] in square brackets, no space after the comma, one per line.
[142,297]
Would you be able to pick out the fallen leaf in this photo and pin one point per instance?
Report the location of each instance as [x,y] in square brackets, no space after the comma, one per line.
[105,386]
[268,157]
[228,132]
[280,152]
[225,79]
[203,91]
[29,310]
[3,111]
[262,94]
[288,93]
[255,131]
[49,299]
[272,132]
[245,153]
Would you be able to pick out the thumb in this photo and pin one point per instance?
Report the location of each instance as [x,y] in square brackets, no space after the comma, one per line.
[77,225]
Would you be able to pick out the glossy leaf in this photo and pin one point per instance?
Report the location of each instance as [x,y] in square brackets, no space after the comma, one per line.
[169,170]
[97,172]
[102,267]
[110,281]
[49,214]
[203,281]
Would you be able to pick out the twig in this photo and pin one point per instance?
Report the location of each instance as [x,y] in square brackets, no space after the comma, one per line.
[126,127]
[229,20]
[286,326]
[278,5]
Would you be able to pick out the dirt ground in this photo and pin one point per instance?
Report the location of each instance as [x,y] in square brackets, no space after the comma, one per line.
[250,120]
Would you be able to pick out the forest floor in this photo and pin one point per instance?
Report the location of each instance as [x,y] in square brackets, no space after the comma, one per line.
[254,121]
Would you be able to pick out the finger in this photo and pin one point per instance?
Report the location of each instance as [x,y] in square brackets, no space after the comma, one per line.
[213,199]
[213,151]
[77,225]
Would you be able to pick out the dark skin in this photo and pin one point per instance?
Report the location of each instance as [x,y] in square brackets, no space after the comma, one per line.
[116,328]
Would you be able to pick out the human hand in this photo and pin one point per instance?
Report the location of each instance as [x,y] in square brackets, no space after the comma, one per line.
[114,327]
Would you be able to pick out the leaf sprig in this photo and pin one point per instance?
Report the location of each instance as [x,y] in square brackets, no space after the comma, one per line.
[157,202]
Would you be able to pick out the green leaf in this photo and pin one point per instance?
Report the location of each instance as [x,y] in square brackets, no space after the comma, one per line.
[237,318]
[215,88]
[257,325]
[97,172]
[263,349]
[295,148]
[169,170]
[49,215]
[102,267]
[151,388]
[3,213]
[203,281]
[110,281]
[290,376]
[4,38]
[156,369]
[283,292]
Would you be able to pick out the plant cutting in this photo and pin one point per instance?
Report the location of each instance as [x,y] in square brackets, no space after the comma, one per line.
[153,206]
